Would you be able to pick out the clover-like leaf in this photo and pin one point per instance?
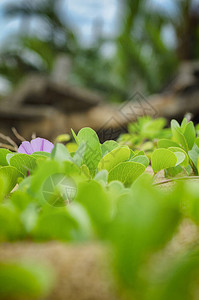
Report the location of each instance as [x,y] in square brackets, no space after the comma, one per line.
[108,146]
[23,163]
[163,159]
[185,162]
[142,159]
[180,158]
[92,154]
[113,158]
[126,172]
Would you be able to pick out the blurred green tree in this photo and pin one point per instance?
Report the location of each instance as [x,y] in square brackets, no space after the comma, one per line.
[143,58]
[143,54]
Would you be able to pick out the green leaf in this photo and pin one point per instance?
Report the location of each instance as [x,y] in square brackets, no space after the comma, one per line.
[183,124]
[96,203]
[180,158]
[41,153]
[145,221]
[63,138]
[142,159]
[194,155]
[137,153]
[178,135]
[60,153]
[108,146]
[166,143]
[198,165]
[172,172]
[3,154]
[126,172]
[190,134]
[56,224]
[10,224]
[113,158]
[23,163]
[9,176]
[92,153]
[186,159]
[179,277]
[152,127]
[71,147]
[102,176]
[24,281]
[163,159]
[197,141]
[74,136]
[78,156]
[85,170]
[10,155]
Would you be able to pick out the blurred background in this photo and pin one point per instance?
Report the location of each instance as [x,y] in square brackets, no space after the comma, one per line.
[71,63]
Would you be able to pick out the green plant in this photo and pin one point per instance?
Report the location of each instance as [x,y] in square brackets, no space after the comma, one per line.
[100,192]
[143,134]
[184,145]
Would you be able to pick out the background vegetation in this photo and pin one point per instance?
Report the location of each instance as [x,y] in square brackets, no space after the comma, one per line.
[151,40]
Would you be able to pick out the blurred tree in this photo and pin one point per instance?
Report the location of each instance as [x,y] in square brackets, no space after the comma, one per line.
[143,58]
[142,50]
[56,37]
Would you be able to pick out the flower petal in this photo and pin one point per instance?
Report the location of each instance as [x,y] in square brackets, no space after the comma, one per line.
[47,146]
[40,144]
[37,144]
[25,148]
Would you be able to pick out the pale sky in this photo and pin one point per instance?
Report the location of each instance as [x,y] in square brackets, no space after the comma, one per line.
[82,14]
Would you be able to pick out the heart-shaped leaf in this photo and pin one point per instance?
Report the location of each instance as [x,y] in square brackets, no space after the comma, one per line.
[23,163]
[92,154]
[113,158]
[180,157]
[185,162]
[108,146]
[163,159]
[142,159]
[126,172]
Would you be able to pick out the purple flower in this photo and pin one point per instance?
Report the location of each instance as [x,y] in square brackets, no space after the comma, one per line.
[35,145]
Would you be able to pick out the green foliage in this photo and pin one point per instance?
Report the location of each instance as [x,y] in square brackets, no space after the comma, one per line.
[126,172]
[142,55]
[3,154]
[23,281]
[23,163]
[162,159]
[183,140]
[114,157]
[9,176]
[144,133]
[102,193]
[92,152]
